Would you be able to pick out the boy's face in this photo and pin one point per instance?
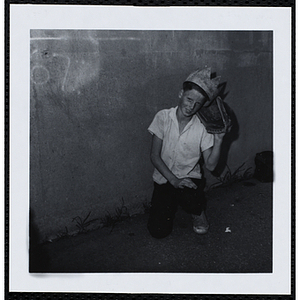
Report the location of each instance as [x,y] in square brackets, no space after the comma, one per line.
[190,102]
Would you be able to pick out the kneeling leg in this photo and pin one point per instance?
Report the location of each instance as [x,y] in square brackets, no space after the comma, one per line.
[162,211]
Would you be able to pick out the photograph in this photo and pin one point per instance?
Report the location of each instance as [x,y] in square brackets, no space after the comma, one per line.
[156,150]
[108,107]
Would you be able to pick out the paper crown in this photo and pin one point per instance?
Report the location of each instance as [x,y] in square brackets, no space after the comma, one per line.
[202,78]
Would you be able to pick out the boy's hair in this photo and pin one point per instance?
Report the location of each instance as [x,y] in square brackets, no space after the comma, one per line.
[187,86]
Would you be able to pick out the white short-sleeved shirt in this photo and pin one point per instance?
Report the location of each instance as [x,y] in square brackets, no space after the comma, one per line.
[180,152]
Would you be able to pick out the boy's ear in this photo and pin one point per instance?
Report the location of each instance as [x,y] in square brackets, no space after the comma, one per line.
[180,93]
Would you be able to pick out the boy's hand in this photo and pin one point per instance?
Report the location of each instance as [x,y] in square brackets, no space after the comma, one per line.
[182,183]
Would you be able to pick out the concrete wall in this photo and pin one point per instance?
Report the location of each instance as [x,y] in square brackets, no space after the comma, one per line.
[94,93]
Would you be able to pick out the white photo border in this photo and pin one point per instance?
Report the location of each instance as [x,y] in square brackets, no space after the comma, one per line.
[23,18]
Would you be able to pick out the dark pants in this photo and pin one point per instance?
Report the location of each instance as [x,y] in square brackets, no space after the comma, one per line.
[164,204]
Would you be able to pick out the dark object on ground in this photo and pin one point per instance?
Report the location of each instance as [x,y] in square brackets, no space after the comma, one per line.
[214,117]
[264,166]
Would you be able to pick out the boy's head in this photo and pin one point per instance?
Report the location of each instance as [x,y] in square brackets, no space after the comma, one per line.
[191,99]
[187,86]
[201,80]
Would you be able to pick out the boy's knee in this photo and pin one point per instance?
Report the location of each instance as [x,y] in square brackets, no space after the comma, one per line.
[159,232]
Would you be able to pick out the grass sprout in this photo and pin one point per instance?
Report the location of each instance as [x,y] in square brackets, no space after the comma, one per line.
[231,177]
[83,224]
[63,234]
[120,214]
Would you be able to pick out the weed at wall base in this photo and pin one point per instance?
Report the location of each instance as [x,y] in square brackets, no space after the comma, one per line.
[121,214]
[231,177]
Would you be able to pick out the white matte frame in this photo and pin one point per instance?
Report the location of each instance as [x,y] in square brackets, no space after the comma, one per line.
[26,17]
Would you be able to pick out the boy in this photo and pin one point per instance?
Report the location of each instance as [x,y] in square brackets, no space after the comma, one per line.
[178,141]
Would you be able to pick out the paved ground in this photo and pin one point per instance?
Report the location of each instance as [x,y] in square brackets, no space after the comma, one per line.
[239,240]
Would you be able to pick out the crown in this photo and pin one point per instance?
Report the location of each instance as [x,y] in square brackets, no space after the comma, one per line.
[202,78]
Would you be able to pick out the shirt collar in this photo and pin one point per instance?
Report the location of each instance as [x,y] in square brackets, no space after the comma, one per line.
[173,114]
[174,118]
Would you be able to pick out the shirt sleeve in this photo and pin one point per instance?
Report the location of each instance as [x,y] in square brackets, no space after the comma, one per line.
[207,140]
[157,125]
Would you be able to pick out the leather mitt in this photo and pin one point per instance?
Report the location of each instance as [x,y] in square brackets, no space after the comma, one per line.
[215,117]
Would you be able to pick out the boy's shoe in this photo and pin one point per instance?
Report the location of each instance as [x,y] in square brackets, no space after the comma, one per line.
[200,224]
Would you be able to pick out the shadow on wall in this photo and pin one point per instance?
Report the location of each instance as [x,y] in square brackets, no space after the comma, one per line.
[230,136]
[38,256]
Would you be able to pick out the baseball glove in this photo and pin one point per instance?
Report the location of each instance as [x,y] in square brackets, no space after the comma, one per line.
[214,117]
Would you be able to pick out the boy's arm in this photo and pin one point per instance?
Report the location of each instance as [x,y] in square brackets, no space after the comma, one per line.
[211,156]
[162,167]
